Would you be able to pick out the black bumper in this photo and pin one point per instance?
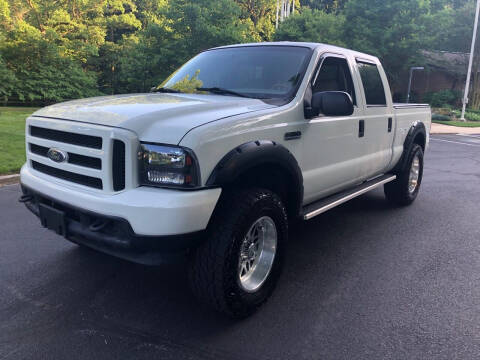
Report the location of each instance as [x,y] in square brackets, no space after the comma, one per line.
[111,235]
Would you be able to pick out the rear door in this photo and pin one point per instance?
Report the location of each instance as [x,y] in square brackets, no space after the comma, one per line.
[378,119]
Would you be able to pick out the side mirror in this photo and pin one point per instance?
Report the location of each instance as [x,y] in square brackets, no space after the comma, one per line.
[332,103]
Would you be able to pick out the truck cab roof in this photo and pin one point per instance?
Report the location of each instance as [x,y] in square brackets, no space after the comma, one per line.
[314,46]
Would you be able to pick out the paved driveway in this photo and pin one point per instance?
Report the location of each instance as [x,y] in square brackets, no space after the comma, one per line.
[363,281]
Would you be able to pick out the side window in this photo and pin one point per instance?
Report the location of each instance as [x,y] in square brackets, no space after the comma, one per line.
[334,75]
[372,84]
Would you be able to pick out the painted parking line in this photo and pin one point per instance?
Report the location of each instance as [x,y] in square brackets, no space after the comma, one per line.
[456,142]
[475,136]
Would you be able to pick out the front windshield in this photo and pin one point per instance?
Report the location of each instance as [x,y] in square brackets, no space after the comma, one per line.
[272,72]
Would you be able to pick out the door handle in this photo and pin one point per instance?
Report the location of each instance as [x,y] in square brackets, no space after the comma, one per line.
[390,120]
[293,135]
[361,128]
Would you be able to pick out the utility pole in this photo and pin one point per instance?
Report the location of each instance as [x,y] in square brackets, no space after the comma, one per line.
[470,63]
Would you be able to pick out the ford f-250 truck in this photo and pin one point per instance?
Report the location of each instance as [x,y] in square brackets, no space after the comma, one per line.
[216,162]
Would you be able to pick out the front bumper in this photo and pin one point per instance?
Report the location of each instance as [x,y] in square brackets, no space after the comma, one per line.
[149,211]
[143,225]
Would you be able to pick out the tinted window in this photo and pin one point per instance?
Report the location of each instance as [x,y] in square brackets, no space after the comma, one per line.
[334,75]
[372,84]
[256,71]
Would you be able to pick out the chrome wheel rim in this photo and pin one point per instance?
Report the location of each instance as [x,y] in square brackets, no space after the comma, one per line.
[414,174]
[257,253]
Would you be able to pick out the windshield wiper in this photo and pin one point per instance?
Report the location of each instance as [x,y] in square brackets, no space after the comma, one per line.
[221,91]
[166,90]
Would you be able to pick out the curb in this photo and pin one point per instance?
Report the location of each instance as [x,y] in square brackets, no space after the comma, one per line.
[439,129]
[9,179]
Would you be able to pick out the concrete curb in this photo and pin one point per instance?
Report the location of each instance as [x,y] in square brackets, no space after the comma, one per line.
[9,179]
[448,129]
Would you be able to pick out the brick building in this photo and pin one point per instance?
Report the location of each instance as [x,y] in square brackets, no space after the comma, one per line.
[443,71]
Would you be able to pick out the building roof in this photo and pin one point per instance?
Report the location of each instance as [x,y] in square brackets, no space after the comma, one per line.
[451,62]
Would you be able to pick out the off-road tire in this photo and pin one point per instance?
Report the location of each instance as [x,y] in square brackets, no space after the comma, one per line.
[213,271]
[397,191]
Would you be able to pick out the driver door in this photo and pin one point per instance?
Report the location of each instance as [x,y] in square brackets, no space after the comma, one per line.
[332,145]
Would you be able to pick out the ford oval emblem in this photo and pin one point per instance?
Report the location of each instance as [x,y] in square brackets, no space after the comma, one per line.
[57,155]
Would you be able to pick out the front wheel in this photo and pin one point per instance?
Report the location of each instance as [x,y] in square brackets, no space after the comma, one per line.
[236,269]
[404,190]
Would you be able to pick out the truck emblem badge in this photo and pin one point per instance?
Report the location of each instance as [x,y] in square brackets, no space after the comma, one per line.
[57,155]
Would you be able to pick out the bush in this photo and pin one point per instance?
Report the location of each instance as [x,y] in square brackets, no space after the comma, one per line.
[440,117]
[444,98]
[42,73]
[470,115]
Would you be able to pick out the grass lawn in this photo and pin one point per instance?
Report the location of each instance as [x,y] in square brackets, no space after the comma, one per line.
[459,123]
[12,138]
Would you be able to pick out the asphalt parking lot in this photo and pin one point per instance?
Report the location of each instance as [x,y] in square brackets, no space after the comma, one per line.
[363,281]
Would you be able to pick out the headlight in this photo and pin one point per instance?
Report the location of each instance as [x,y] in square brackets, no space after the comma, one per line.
[168,166]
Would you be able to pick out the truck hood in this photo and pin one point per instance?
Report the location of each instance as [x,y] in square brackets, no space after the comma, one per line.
[162,118]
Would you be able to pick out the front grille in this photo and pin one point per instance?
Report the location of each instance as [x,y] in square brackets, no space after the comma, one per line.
[98,156]
[69,176]
[118,165]
[90,141]
[76,159]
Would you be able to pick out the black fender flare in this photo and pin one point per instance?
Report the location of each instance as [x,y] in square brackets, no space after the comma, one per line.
[252,154]
[416,129]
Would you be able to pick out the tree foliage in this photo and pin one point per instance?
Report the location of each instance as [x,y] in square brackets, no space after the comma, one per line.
[313,26]
[52,50]
[329,6]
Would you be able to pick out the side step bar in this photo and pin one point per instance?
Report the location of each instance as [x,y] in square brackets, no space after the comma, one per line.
[319,207]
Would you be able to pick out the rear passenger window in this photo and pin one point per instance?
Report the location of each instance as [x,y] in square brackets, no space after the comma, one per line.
[334,75]
[372,84]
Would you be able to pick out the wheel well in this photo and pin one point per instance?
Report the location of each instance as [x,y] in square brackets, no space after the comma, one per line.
[420,140]
[276,179]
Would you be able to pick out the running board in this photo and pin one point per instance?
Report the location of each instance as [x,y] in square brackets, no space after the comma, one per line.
[319,207]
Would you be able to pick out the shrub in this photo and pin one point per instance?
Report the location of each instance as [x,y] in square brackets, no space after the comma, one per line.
[469,115]
[472,116]
[440,117]
[444,98]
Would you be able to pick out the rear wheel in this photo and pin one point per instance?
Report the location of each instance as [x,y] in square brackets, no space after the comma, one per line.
[404,190]
[236,269]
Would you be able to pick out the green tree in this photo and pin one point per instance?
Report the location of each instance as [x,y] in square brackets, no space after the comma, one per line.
[121,25]
[8,81]
[455,32]
[261,14]
[201,24]
[146,62]
[312,26]
[4,13]
[391,30]
[329,6]
[41,73]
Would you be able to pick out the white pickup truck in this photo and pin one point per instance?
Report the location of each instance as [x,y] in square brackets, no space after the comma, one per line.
[216,161]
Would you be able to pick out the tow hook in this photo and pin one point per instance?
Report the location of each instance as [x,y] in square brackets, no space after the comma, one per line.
[25,198]
[98,225]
